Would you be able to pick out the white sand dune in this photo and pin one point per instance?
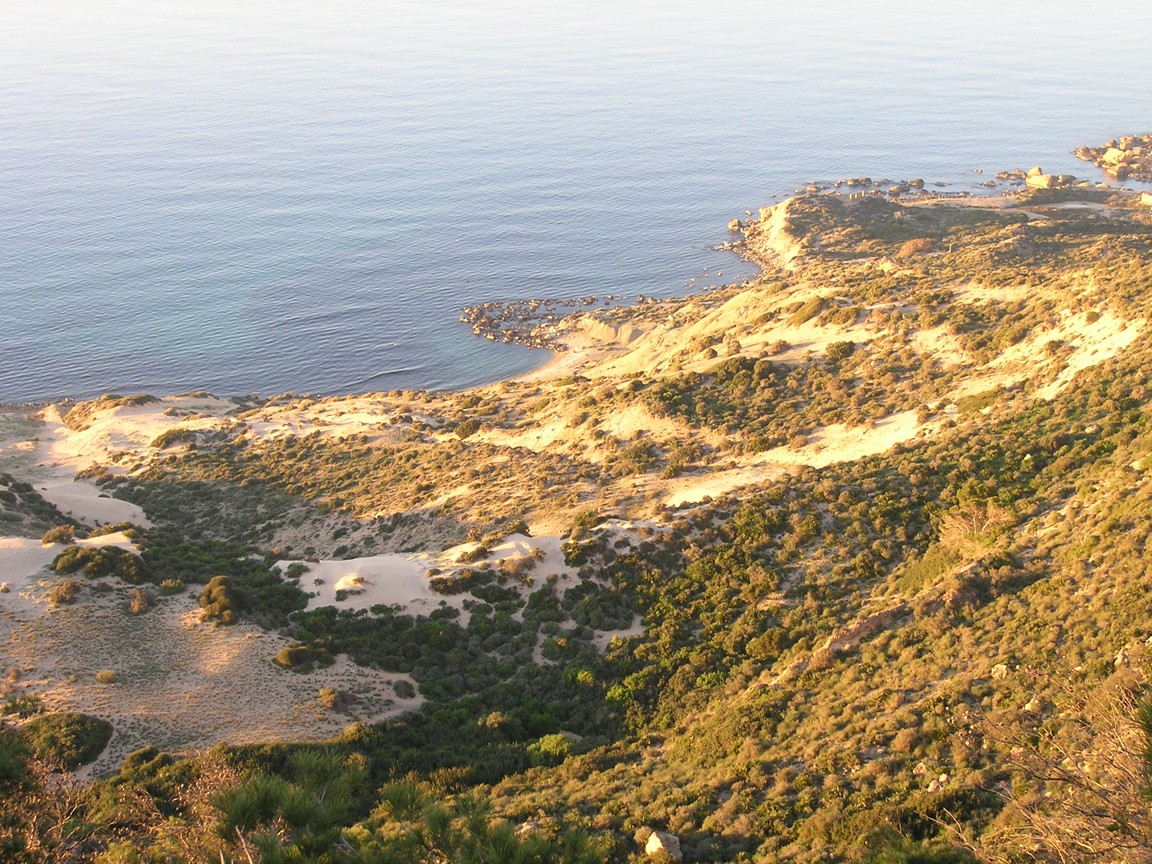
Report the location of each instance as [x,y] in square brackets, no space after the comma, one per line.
[388,580]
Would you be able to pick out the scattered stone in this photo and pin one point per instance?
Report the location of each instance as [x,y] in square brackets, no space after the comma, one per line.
[1000,671]
[939,783]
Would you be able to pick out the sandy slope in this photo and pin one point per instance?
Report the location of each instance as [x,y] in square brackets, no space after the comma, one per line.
[180,684]
[184,684]
[827,445]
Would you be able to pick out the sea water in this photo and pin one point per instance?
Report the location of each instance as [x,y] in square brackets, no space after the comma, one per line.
[257,196]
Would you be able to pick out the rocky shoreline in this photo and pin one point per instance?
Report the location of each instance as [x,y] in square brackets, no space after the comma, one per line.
[531,323]
[545,323]
[1126,158]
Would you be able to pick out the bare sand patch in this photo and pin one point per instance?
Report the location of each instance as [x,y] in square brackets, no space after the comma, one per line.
[180,684]
[379,580]
[1091,344]
[21,558]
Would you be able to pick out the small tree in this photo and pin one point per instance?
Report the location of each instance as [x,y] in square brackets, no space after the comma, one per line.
[1085,791]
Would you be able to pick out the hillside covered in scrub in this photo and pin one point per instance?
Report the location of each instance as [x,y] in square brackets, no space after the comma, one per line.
[843,563]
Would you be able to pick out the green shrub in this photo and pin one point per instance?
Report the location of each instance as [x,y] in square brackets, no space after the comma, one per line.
[807,312]
[838,351]
[928,568]
[21,705]
[550,750]
[100,561]
[220,601]
[64,592]
[68,738]
[295,570]
[175,435]
[295,657]
[59,534]
[468,428]
[976,402]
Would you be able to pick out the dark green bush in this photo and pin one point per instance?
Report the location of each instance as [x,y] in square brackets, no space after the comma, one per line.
[101,561]
[468,428]
[294,657]
[70,739]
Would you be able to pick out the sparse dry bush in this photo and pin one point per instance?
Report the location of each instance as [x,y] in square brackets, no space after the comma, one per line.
[65,592]
[141,601]
[916,246]
[59,534]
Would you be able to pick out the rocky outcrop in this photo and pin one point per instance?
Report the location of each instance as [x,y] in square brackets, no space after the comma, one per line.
[1125,158]
[844,639]
[532,323]
[772,237]
[848,637]
[662,842]
[1035,178]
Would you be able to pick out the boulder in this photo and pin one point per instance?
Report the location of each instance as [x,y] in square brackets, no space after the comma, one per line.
[660,841]
[1034,171]
[1040,181]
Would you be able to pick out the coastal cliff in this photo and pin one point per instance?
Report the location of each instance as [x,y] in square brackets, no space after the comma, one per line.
[831,564]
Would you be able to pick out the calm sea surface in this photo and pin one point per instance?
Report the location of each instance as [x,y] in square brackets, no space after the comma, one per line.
[253,196]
